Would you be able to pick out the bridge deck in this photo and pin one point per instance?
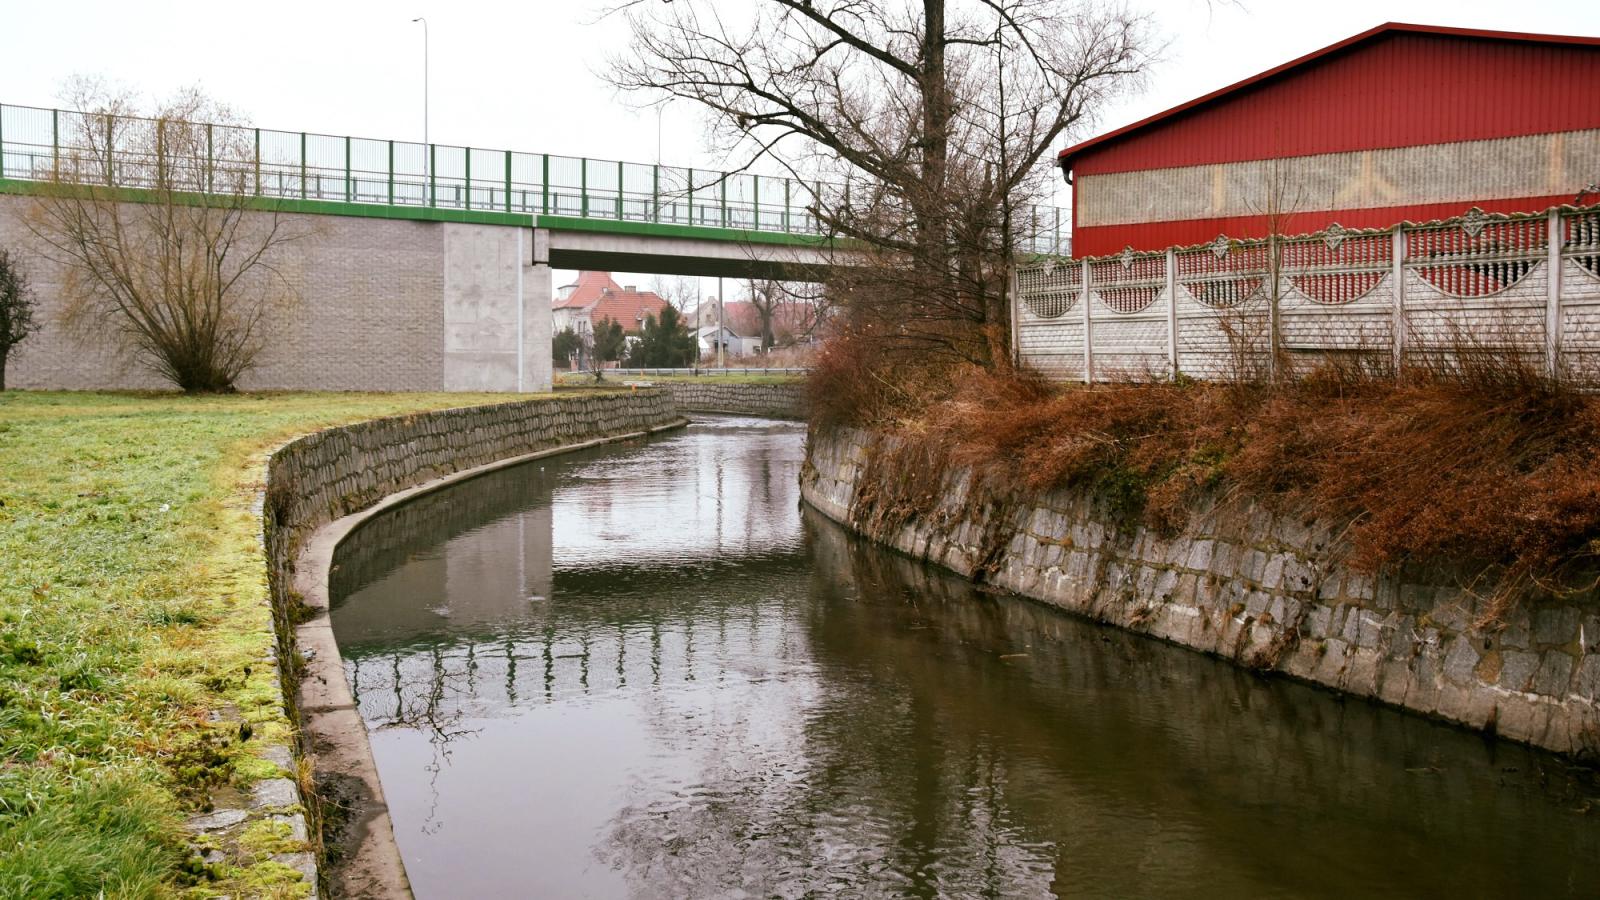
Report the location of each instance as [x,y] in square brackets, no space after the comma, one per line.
[343,175]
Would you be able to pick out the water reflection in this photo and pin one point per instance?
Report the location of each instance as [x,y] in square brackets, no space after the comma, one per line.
[701,693]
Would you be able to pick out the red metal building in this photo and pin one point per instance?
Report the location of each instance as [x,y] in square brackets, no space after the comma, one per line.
[1402,122]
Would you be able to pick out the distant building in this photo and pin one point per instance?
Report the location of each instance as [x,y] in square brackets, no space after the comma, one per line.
[595,296]
[1402,122]
[733,343]
[792,321]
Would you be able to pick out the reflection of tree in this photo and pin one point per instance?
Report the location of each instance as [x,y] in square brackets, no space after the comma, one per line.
[429,705]
[832,717]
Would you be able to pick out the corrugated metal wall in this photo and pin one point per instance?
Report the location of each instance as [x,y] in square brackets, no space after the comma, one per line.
[1396,90]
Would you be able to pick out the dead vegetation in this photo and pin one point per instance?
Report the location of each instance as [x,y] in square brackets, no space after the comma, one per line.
[1477,461]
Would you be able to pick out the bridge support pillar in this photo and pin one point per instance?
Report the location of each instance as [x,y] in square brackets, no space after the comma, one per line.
[537,292]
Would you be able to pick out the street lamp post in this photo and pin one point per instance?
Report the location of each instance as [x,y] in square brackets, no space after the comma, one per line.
[427,150]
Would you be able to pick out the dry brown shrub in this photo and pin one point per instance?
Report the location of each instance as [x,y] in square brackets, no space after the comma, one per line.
[1483,462]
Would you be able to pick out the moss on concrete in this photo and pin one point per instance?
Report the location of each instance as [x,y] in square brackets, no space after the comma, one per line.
[136,680]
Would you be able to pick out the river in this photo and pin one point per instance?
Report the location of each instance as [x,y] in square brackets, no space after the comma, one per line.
[645,671]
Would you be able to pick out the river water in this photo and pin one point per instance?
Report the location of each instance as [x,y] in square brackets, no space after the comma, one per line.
[645,671]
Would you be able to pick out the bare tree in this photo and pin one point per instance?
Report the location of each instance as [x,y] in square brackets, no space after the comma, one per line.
[785,311]
[156,224]
[679,290]
[16,308]
[929,118]
[1282,199]
[766,298]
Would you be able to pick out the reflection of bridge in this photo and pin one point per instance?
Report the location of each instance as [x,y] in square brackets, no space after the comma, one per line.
[997,742]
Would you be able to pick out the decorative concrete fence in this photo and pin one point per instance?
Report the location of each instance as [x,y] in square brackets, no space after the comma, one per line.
[1524,284]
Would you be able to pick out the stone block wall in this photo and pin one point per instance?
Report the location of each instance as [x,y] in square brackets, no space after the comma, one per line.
[324,476]
[332,473]
[1269,592]
[783,400]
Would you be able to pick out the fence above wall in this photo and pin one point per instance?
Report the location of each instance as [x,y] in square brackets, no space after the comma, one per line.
[1516,284]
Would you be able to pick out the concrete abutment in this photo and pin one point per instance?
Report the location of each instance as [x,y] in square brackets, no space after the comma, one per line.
[377,304]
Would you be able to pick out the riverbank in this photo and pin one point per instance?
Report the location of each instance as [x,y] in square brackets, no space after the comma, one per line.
[137,680]
[1264,588]
[322,487]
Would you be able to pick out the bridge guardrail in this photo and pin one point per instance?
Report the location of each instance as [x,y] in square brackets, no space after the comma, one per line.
[36,142]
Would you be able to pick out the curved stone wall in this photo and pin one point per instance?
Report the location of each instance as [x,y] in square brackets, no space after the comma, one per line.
[320,482]
[1269,592]
[778,400]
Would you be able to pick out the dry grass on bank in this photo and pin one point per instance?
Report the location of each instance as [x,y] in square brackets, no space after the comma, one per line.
[1489,465]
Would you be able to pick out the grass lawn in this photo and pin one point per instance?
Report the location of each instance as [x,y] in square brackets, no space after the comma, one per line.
[133,627]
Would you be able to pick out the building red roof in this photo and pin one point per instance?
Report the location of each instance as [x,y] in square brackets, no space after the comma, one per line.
[1506,98]
[742,317]
[603,298]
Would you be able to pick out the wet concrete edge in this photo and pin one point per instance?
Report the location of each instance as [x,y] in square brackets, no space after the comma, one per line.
[372,866]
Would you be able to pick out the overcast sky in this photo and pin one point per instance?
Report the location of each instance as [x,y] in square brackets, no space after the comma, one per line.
[522,76]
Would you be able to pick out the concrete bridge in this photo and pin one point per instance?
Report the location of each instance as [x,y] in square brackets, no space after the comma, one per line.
[428,266]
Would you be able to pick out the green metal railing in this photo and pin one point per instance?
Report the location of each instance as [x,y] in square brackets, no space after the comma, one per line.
[299,165]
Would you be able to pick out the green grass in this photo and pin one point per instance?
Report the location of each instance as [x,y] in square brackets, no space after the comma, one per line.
[133,606]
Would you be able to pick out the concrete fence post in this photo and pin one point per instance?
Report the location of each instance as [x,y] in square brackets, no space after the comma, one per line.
[1014,313]
[1088,328]
[1552,312]
[1172,312]
[1397,273]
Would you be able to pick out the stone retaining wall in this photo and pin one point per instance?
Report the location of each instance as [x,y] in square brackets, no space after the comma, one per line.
[322,477]
[1269,592]
[781,400]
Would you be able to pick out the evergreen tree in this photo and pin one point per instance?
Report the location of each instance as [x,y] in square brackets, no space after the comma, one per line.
[609,340]
[564,345]
[664,343]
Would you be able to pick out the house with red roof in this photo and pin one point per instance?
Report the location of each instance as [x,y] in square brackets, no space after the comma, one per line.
[595,296]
